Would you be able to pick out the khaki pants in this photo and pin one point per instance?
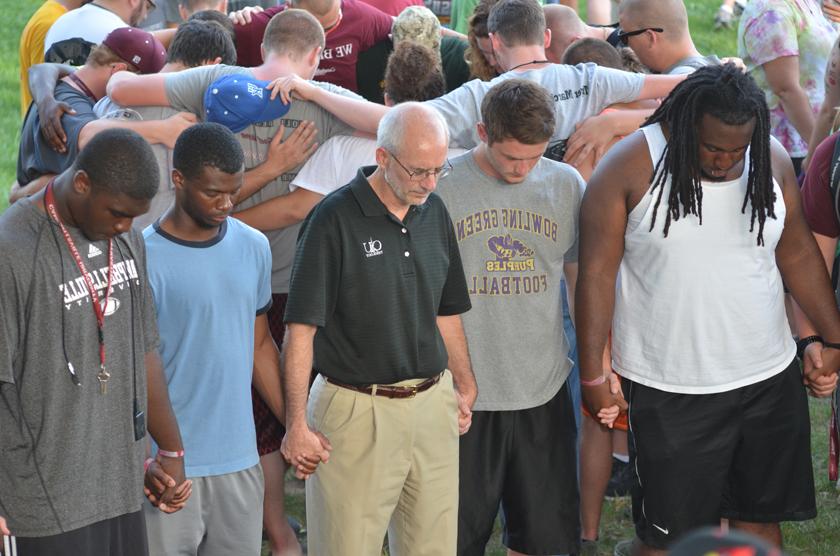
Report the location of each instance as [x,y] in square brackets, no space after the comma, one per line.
[393,466]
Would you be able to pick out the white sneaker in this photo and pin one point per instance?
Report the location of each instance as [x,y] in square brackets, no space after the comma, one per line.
[724,17]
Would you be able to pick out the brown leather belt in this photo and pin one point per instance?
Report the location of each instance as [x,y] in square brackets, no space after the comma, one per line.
[390,391]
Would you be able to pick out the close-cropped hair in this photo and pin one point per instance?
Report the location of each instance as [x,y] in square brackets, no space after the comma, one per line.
[216,17]
[120,161]
[197,42]
[518,109]
[597,51]
[413,73]
[205,145]
[517,22]
[293,32]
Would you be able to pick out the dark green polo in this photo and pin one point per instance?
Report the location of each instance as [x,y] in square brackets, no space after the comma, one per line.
[374,286]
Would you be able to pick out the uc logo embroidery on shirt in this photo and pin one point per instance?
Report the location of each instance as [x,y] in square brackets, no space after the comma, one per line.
[372,248]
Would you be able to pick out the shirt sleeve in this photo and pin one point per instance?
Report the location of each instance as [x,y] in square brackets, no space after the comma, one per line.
[151,337]
[185,89]
[319,173]
[571,255]
[264,269]
[455,298]
[771,34]
[461,109]
[610,86]
[313,288]
[817,201]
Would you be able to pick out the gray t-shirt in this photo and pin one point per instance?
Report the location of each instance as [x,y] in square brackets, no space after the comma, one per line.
[69,457]
[514,239]
[692,64]
[185,91]
[578,91]
[165,197]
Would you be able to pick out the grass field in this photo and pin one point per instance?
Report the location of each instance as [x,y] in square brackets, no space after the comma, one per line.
[820,537]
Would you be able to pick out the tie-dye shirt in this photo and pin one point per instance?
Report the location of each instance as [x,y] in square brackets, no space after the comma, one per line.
[771,29]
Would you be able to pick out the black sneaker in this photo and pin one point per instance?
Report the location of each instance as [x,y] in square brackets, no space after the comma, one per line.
[621,480]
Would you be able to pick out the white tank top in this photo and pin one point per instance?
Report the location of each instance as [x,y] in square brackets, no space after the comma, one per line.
[702,310]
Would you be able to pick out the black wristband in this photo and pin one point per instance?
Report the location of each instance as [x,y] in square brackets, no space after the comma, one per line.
[808,340]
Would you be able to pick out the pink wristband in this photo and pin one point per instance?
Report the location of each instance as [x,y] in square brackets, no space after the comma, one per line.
[595,382]
[147,463]
[168,454]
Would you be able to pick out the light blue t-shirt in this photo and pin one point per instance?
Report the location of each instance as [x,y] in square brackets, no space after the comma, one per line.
[207,296]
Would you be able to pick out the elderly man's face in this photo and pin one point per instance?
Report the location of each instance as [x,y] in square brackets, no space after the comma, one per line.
[413,173]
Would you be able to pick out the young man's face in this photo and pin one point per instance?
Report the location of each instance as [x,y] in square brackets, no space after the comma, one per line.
[208,198]
[105,215]
[510,160]
[722,147]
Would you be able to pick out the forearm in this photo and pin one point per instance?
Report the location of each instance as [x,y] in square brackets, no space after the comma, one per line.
[625,122]
[359,114]
[16,193]
[798,110]
[802,324]
[162,423]
[570,273]
[659,86]
[256,178]
[452,330]
[43,78]
[274,214]
[595,297]
[822,126]
[297,371]
[266,377]
[806,277]
[151,131]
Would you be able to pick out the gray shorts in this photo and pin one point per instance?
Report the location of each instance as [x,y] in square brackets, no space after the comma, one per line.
[222,517]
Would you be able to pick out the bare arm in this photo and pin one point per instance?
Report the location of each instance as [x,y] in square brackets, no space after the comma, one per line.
[827,246]
[300,443]
[267,368]
[359,114]
[280,212]
[594,135]
[659,86]
[783,78]
[17,192]
[570,272]
[466,390]
[825,117]
[43,79]
[165,132]
[128,89]
[162,423]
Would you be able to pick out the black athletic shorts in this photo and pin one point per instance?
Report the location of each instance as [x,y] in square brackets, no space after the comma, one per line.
[123,535]
[525,460]
[743,455]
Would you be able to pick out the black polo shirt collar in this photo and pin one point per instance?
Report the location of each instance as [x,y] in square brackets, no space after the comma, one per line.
[368,200]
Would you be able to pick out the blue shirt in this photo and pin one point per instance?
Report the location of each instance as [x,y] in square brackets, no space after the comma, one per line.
[207,296]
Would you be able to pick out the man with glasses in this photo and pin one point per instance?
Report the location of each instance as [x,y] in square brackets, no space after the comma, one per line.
[516,220]
[374,307]
[657,31]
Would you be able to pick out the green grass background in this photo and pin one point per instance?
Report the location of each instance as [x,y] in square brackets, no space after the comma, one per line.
[820,537]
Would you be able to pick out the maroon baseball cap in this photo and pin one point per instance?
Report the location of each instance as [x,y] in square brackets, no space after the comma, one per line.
[137,47]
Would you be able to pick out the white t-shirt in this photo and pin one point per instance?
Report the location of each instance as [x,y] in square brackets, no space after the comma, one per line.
[90,22]
[578,92]
[336,163]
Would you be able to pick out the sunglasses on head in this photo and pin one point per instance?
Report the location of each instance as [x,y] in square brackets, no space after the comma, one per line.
[624,35]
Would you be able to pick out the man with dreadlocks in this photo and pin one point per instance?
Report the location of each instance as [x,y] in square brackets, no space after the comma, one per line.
[701,212]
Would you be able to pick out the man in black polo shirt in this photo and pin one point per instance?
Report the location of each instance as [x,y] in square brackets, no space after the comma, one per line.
[375,297]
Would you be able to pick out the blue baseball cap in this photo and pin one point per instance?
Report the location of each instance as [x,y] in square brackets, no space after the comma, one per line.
[237,101]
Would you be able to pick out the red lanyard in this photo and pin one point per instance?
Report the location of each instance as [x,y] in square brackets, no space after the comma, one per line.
[78,81]
[98,308]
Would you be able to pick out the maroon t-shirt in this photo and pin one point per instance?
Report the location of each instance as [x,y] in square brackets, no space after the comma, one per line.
[393,7]
[817,202]
[361,27]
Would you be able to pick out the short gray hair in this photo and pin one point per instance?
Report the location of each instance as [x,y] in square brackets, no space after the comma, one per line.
[391,130]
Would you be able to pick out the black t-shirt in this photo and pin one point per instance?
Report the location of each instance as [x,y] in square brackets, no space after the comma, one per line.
[35,156]
[374,286]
